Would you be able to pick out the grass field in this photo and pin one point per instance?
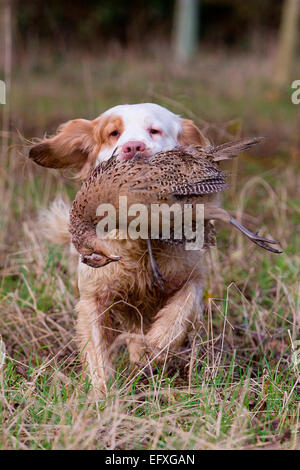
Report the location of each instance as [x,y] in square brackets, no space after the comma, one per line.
[236,383]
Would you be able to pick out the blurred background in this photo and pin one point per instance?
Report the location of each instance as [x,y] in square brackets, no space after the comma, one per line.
[228,65]
[222,62]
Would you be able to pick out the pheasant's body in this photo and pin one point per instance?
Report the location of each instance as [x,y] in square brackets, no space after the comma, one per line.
[168,177]
[187,175]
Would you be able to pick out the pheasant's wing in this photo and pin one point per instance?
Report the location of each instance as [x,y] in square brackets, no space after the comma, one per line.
[198,188]
[180,186]
[180,175]
[198,178]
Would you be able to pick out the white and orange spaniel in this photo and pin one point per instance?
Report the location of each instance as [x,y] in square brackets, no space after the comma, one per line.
[147,128]
[118,299]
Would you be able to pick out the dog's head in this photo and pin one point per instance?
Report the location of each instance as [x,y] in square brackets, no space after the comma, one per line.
[124,130]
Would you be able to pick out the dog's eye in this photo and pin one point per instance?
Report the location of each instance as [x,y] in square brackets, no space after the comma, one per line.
[114,133]
[154,131]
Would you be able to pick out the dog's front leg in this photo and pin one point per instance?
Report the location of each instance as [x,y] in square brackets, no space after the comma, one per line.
[172,323]
[94,334]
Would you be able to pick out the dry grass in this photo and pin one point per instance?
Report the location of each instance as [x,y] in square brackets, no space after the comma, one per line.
[235,385]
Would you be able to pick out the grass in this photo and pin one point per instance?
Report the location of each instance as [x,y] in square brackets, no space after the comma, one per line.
[235,385]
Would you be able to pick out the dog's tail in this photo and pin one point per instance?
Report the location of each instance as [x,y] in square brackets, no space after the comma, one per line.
[54,222]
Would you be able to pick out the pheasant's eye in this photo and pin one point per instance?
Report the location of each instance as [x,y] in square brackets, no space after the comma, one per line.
[154,131]
[114,133]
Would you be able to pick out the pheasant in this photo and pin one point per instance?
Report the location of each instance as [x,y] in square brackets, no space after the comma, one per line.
[184,175]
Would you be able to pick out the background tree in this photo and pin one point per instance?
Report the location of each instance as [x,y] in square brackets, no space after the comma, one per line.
[5,65]
[288,38]
[186,26]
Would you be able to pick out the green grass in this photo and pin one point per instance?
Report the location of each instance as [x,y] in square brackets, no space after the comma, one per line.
[235,384]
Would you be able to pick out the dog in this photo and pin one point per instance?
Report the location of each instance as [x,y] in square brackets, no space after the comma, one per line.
[117,301]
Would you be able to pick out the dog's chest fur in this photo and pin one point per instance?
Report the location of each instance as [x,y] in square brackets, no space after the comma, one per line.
[126,287]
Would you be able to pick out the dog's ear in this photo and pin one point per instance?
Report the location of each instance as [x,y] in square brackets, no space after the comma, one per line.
[74,146]
[190,134]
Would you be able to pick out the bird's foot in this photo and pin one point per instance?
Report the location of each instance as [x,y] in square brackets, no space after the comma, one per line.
[255,238]
[263,243]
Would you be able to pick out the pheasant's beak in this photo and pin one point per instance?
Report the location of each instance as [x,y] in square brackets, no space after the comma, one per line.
[98,261]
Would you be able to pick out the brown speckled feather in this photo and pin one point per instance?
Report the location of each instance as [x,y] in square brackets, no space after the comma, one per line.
[184,174]
[178,173]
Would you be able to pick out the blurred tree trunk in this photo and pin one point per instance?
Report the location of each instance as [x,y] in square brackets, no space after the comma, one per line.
[185,30]
[288,35]
[5,64]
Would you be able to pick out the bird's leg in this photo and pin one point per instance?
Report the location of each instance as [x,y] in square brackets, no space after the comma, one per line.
[255,238]
[216,213]
[156,274]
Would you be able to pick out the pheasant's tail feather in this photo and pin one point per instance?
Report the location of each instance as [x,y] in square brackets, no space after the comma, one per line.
[232,149]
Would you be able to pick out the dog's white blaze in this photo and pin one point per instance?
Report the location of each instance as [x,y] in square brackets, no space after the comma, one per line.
[137,120]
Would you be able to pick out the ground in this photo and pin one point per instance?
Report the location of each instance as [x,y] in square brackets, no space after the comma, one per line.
[235,385]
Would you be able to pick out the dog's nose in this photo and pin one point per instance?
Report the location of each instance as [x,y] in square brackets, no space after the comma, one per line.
[131,148]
